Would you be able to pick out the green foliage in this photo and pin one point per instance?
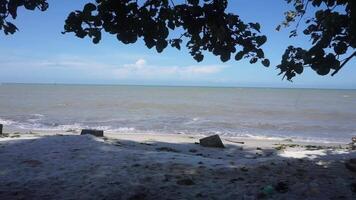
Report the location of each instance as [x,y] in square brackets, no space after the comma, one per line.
[8,8]
[206,26]
[203,26]
[332,35]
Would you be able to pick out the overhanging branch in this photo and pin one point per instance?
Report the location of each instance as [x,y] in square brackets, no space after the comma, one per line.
[344,63]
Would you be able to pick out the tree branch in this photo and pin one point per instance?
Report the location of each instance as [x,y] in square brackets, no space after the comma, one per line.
[344,63]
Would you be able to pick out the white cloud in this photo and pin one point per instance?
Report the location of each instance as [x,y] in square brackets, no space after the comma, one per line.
[103,69]
[140,69]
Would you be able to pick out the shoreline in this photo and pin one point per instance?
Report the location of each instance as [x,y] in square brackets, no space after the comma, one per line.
[138,166]
[128,131]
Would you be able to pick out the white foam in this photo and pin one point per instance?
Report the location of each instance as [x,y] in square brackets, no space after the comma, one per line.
[6,122]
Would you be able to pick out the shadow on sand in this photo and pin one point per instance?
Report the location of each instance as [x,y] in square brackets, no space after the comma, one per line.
[84,167]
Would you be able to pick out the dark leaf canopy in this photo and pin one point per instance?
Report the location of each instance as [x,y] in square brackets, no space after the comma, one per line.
[8,9]
[206,26]
[332,34]
[201,25]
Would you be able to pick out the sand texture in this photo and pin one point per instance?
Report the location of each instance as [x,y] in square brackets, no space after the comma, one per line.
[136,166]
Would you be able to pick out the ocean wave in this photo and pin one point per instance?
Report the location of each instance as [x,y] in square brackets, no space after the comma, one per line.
[198,126]
[6,121]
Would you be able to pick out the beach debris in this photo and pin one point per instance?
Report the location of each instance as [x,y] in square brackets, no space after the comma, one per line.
[15,135]
[186,181]
[353,143]
[288,140]
[351,164]
[233,141]
[268,190]
[313,147]
[168,149]
[1,129]
[212,141]
[96,133]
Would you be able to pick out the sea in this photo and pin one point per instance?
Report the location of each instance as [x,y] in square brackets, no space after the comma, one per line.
[318,115]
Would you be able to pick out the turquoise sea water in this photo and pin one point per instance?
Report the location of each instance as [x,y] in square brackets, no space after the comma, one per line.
[305,114]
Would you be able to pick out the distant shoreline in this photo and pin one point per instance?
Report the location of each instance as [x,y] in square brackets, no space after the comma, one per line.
[179,86]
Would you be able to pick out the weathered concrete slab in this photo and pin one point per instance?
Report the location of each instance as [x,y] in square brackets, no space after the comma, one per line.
[212,141]
[97,133]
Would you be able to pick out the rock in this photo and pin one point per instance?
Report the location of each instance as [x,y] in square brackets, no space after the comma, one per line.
[186,181]
[281,187]
[244,169]
[97,133]
[353,187]
[234,180]
[351,164]
[212,141]
[138,196]
[1,129]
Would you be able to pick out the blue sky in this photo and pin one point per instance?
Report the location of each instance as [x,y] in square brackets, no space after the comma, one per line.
[39,53]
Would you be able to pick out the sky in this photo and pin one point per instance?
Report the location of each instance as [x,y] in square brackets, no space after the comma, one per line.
[39,53]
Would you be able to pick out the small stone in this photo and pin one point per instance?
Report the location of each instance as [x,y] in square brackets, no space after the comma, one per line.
[212,141]
[353,187]
[186,181]
[281,187]
[351,164]
[97,133]
[138,196]
[236,179]
[244,169]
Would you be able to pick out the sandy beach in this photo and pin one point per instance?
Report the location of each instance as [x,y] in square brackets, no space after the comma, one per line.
[136,166]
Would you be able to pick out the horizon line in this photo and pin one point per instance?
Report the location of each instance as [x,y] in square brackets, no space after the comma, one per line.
[173,85]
